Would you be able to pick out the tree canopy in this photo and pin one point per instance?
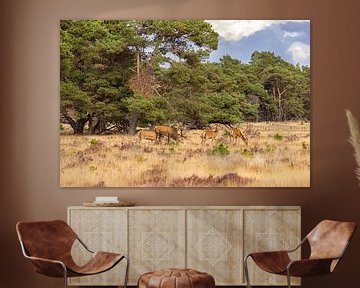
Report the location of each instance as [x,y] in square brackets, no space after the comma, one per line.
[125,74]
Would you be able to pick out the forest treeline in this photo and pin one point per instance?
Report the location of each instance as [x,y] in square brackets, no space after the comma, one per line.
[119,75]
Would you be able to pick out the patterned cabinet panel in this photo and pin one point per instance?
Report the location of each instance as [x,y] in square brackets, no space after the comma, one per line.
[210,239]
[156,240]
[269,230]
[214,244]
[101,230]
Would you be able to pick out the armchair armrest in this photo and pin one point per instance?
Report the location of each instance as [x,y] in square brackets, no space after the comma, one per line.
[314,266]
[279,252]
[298,246]
[309,267]
[83,244]
[49,267]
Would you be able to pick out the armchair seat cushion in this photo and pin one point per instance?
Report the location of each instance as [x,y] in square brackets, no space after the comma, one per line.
[99,262]
[272,262]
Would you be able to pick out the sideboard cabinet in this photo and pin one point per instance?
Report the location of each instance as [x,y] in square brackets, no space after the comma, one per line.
[212,239]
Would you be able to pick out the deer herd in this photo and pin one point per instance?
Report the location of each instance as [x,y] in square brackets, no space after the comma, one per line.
[172,133]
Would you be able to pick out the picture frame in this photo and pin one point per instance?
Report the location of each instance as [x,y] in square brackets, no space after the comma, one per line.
[185,103]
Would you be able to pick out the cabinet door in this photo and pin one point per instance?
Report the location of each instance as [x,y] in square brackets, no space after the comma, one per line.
[214,244]
[271,230]
[101,230]
[156,240]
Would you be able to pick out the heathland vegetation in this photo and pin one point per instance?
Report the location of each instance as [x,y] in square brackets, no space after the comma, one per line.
[119,77]
[277,155]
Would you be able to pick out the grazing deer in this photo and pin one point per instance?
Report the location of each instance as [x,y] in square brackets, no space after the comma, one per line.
[147,135]
[209,134]
[236,133]
[251,133]
[168,132]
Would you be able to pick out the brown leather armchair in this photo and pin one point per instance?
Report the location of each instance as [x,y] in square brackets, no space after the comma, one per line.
[48,245]
[328,242]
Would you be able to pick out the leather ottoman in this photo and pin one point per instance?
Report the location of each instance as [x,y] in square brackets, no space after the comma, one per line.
[176,278]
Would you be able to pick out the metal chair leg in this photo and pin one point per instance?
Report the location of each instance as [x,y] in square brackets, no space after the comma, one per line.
[246,270]
[127,271]
[288,278]
[65,275]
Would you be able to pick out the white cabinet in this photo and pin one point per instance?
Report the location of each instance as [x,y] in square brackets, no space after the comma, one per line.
[210,239]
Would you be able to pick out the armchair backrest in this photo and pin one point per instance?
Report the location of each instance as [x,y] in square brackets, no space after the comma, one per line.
[329,239]
[46,239]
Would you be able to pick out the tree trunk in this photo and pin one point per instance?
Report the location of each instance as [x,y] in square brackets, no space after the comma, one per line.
[137,64]
[280,116]
[133,123]
[93,127]
[102,127]
[97,128]
[91,122]
[78,125]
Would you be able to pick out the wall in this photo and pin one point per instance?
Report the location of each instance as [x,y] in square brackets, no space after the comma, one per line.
[29,111]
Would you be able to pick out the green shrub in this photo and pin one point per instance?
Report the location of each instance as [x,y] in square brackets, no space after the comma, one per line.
[247,153]
[268,148]
[94,141]
[92,168]
[278,137]
[140,158]
[221,150]
[304,146]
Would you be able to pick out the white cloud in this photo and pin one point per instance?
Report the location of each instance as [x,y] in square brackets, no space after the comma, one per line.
[235,30]
[300,53]
[288,34]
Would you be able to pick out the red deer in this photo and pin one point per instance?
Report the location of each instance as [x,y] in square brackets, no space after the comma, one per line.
[250,132]
[209,134]
[168,132]
[147,135]
[236,133]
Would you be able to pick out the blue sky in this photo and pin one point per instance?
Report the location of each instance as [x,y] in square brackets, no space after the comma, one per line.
[289,39]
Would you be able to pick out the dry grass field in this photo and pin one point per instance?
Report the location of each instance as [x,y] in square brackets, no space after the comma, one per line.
[279,156]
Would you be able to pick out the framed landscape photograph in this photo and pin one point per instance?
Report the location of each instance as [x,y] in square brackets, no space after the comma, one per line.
[185,103]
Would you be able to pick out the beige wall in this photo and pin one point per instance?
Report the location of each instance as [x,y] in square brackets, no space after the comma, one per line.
[29,111]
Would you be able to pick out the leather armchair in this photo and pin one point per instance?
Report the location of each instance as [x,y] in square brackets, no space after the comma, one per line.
[328,242]
[48,245]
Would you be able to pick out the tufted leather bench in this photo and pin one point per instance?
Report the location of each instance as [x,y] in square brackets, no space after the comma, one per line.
[176,278]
